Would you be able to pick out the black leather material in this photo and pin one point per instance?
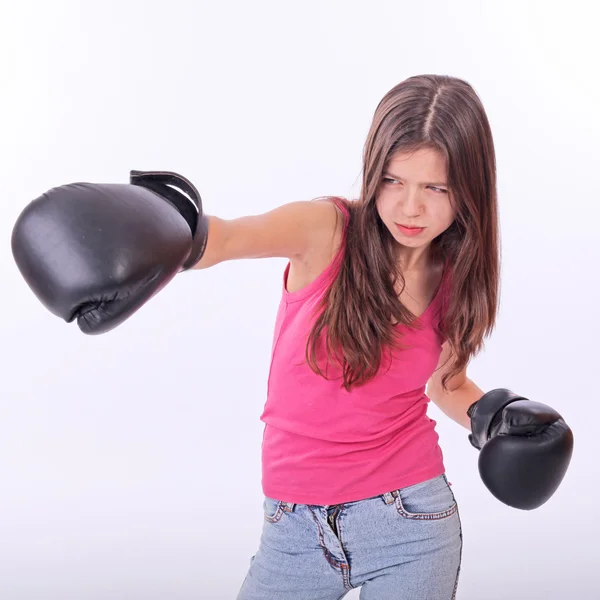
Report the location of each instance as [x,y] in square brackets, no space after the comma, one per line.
[526,448]
[161,182]
[95,252]
[486,415]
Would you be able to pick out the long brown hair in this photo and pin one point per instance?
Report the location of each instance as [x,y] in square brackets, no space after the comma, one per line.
[361,307]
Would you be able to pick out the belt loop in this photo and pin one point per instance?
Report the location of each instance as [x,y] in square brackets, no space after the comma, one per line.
[389,497]
[289,506]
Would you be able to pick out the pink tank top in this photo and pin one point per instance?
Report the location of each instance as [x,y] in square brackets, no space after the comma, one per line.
[323,445]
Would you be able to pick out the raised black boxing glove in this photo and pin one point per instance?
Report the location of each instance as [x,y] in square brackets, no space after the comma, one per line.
[525,447]
[96,252]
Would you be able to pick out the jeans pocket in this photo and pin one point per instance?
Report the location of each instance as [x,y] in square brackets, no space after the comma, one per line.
[429,500]
[273,509]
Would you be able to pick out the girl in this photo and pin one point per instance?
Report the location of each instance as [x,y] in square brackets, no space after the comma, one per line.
[385,300]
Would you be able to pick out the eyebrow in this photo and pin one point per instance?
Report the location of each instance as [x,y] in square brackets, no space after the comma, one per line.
[435,183]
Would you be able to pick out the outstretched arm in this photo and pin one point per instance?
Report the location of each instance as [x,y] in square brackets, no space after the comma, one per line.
[290,231]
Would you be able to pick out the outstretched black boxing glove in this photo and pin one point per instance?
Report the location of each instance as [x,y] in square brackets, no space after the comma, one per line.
[525,447]
[97,252]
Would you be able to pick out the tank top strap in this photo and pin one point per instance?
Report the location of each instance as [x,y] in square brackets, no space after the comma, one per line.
[341,204]
[343,207]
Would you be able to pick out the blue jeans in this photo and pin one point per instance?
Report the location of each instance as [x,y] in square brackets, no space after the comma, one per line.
[402,545]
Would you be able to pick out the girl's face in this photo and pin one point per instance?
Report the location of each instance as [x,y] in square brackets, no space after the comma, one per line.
[414,192]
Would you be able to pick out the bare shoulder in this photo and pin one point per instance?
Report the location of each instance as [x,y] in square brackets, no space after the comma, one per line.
[330,236]
[325,242]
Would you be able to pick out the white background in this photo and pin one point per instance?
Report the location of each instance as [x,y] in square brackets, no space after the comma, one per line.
[130,462]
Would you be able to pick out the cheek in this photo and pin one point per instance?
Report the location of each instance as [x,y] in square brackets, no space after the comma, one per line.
[452,212]
[383,206]
[379,205]
[446,213]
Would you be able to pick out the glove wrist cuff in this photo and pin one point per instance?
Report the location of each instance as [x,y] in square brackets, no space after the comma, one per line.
[160,182]
[198,244]
[486,415]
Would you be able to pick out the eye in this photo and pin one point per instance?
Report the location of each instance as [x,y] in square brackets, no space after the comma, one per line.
[439,190]
[390,180]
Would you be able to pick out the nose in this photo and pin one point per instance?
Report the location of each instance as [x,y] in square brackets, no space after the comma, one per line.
[412,204]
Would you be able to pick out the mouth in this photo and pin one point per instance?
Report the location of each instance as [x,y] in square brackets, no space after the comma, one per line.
[409,229]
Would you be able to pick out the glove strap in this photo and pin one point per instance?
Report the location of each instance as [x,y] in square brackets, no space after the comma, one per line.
[160,182]
[486,414]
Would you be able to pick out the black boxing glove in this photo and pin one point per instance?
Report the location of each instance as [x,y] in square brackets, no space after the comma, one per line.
[97,252]
[525,447]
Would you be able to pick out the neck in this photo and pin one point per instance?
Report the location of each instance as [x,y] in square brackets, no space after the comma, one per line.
[414,260]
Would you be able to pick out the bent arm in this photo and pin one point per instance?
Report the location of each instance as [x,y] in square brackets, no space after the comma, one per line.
[455,403]
[462,392]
